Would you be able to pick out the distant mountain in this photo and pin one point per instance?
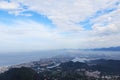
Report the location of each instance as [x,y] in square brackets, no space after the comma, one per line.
[107,49]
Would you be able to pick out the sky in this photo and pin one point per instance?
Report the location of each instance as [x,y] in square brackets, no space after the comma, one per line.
[33,25]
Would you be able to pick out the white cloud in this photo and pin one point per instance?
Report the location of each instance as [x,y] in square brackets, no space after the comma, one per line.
[107,24]
[8,6]
[66,15]
[106,30]
[13,8]
[29,35]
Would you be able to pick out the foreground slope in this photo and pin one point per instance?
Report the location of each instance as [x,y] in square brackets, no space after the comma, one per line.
[22,73]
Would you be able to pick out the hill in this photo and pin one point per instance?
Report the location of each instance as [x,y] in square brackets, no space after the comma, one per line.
[22,73]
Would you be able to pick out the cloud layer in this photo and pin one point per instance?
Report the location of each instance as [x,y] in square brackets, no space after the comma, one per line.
[78,24]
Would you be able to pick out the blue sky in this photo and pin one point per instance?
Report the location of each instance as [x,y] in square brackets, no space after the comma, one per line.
[27,25]
[7,18]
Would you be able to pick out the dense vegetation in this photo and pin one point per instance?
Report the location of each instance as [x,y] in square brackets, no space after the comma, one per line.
[106,66]
[19,74]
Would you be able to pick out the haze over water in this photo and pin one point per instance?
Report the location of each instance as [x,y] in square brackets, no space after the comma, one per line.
[12,59]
